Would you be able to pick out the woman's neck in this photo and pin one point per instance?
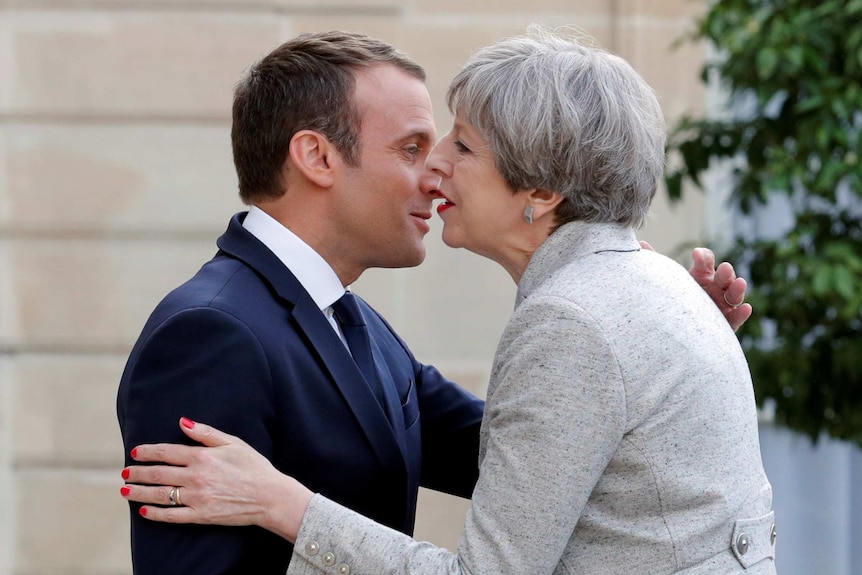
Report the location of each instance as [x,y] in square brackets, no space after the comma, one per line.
[515,254]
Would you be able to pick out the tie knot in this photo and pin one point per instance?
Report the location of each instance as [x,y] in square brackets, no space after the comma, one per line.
[346,309]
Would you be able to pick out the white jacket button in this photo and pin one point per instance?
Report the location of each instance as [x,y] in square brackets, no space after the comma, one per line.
[312,548]
[329,558]
[742,543]
[343,569]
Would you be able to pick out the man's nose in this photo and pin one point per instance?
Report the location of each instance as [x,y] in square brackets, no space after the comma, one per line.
[431,184]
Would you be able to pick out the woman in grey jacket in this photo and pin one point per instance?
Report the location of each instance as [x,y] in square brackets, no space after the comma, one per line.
[620,431]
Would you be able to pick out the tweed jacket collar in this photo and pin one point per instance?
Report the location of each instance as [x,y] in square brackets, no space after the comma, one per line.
[570,242]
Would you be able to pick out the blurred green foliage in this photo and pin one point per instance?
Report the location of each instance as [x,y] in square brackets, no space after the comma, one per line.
[792,70]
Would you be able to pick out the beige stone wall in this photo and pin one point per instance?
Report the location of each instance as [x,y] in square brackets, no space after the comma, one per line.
[116,177]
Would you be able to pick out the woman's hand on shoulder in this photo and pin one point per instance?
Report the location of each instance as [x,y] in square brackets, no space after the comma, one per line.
[225,482]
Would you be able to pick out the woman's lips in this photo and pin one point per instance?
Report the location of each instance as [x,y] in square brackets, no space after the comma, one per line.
[444,206]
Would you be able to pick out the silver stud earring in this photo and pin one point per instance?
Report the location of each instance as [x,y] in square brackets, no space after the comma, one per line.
[528,214]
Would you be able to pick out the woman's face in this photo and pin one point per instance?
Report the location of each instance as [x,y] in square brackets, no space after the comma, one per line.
[480,211]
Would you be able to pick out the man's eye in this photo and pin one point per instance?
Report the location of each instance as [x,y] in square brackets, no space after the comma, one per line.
[413,149]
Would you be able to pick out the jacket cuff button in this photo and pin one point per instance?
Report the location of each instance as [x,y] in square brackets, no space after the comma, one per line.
[742,543]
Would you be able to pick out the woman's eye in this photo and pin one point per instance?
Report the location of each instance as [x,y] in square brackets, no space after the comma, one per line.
[459,145]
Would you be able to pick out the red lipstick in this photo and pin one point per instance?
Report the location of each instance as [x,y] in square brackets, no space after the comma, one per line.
[444,206]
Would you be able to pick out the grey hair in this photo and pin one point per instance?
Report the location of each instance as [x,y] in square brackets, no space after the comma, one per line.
[565,116]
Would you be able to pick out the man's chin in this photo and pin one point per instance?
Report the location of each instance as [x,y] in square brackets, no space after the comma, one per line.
[410,260]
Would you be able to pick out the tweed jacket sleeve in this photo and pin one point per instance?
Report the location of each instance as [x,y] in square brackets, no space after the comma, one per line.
[547,409]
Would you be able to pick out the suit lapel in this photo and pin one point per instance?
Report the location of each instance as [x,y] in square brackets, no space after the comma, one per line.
[347,377]
[391,400]
[324,342]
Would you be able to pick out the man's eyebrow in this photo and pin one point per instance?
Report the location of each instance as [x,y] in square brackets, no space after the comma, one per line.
[423,136]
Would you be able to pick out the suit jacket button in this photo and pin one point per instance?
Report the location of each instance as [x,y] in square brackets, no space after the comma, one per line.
[742,543]
[312,548]
[343,569]
[329,558]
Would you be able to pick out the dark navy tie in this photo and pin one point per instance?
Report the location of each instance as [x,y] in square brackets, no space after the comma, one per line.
[356,333]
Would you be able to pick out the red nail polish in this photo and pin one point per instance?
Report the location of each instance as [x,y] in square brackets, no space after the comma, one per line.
[125,473]
[134,453]
[187,423]
[144,511]
[124,491]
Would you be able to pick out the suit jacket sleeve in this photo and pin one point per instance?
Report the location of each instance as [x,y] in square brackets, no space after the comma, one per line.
[451,418]
[555,413]
[207,365]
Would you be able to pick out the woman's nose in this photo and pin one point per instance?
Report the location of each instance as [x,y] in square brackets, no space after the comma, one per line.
[431,184]
[436,161]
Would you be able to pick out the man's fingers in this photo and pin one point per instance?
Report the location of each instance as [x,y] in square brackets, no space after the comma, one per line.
[738,316]
[722,278]
[724,275]
[703,266]
[734,295]
[722,285]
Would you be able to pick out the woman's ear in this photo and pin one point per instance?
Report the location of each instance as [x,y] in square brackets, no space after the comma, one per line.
[543,201]
[312,155]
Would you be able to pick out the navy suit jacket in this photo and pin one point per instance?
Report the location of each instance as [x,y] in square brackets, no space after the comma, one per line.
[243,347]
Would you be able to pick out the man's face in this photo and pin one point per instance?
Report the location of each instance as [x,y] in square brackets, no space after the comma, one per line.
[386,199]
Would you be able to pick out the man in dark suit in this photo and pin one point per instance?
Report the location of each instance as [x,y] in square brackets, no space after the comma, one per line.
[330,134]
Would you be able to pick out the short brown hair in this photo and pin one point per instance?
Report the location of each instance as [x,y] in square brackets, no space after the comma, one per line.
[306,83]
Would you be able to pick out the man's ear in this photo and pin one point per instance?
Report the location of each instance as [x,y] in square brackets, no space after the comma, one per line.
[543,201]
[312,155]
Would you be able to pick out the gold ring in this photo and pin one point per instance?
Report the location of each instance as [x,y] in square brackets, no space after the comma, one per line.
[734,305]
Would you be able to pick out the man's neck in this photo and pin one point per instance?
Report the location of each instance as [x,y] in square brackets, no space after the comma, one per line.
[304,223]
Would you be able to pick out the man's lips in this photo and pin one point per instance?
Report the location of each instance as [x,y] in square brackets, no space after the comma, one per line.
[421,220]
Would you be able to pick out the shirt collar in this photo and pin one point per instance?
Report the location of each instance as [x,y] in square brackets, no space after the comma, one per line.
[311,270]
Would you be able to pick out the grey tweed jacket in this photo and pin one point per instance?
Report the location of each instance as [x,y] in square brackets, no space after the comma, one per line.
[620,435]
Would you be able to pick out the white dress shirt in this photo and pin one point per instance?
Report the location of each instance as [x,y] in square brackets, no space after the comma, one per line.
[313,272]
